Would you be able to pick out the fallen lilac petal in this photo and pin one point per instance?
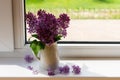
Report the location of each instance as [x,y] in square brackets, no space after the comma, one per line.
[30,67]
[28,58]
[35,72]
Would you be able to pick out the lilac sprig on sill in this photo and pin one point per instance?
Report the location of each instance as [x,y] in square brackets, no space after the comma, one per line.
[76,69]
[28,58]
[64,70]
[51,72]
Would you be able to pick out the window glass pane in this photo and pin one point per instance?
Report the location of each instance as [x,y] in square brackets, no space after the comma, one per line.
[91,20]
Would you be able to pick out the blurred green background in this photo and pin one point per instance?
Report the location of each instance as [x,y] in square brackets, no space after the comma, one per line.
[78,9]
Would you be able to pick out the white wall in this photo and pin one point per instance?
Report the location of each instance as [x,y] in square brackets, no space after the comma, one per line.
[6,26]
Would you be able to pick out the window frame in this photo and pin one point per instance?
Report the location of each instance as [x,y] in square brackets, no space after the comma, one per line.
[65,50]
[73,42]
[18,12]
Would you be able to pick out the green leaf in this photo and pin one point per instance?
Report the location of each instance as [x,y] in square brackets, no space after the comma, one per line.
[36,46]
[42,46]
[35,36]
[57,38]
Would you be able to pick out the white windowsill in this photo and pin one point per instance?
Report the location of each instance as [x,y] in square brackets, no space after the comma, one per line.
[17,67]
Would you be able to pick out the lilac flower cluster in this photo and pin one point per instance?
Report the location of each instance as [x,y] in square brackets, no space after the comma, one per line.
[65,69]
[28,58]
[51,72]
[76,69]
[47,26]
[32,21]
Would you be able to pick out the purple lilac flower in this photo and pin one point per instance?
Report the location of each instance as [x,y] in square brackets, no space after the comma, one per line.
[32,22]
[51,72]
[30,67]
[47,26]
[64,20]
[60,69]
[65,69]
[76,69]
[28,58]
[47,30]
[41,14]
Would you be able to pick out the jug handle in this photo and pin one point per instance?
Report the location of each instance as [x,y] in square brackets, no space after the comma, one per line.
[38,57]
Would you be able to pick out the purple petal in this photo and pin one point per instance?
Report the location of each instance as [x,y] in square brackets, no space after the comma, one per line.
[28,58]
[51,72]
[65,69]
[30,67]
[76,69]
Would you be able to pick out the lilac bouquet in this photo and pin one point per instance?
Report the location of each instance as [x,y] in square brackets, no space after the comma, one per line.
[46,28]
